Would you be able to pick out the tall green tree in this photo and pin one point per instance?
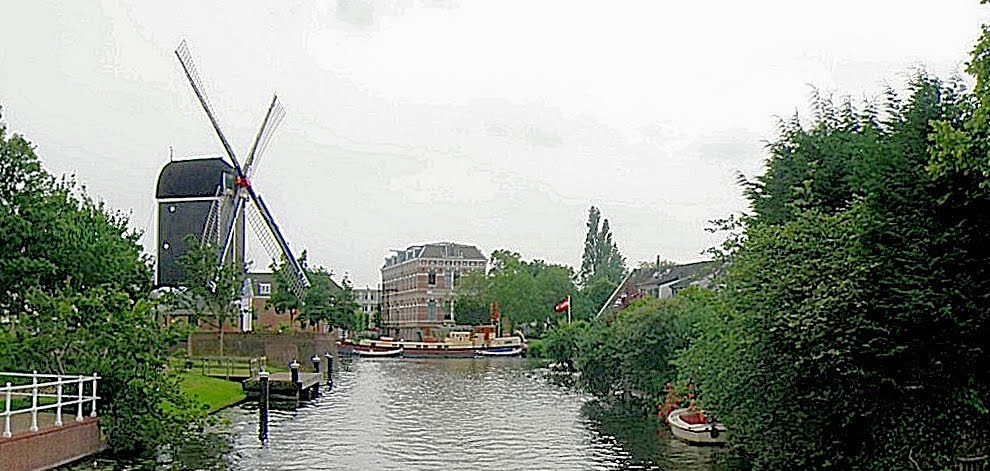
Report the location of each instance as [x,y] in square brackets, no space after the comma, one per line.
[601,258]
[74,288]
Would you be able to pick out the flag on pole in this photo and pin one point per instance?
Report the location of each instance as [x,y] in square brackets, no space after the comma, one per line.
[564,305]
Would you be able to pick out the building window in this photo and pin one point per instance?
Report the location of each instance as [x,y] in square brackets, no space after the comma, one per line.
[432,279]
[432,310]
[264,289]
[448,280]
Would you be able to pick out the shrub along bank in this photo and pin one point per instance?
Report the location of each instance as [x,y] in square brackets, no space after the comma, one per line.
[849,327]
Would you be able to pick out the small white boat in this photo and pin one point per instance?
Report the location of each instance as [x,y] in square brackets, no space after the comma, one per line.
[698,433]
[499,352]
[379,353]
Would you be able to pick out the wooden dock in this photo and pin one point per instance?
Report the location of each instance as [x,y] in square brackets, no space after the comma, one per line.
[280,386]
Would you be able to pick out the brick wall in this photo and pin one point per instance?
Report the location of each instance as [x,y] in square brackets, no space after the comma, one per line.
[51,447]
[278,348]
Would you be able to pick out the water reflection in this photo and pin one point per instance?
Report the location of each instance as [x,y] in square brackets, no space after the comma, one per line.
[644,442]
[467,414]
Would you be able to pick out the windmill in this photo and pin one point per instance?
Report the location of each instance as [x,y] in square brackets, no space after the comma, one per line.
[234,204]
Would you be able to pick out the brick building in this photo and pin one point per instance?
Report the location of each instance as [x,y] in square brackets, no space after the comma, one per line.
[265,319]
[417,287]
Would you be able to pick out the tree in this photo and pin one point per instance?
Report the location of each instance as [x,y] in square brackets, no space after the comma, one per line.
[858,276]
[210,291]
[74,291]
[589,260]
[325,301]
[283,299]
[473,299]
[601,258]
[328,303]
[524,291]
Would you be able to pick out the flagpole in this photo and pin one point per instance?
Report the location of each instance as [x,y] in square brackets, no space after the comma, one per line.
[568,309]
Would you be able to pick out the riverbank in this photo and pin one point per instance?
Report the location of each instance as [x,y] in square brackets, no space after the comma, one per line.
[215,393]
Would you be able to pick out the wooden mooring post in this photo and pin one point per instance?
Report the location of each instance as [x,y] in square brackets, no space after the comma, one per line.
[294,374]
[329,359]
[263,408]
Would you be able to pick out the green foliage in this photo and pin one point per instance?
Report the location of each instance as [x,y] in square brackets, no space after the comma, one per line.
[560,343]
[525,291]
[849,327]
[210,291]
[637,349]
[73,300]
[328,303]
[324,302]
[601,258]
[282,299]
[850,310]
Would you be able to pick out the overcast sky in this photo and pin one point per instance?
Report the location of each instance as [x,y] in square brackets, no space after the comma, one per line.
[493,123]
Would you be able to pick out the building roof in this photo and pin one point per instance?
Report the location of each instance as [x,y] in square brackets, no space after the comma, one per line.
[661,276]
[444,250]
[192,178]
[647,278]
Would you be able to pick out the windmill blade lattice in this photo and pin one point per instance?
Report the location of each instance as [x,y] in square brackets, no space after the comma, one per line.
[297,278]
[273,118]
[192,74]
[211,230]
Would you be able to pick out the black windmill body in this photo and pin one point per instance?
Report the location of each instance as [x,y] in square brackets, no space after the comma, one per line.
[213,199]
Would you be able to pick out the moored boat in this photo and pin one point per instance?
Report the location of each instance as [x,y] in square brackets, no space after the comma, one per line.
[694,427]
[377,352]
[457,344]
[500,352]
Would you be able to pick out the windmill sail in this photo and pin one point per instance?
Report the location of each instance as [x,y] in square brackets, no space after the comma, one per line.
[273,117]
[266,229]
[297,274]
[189,67]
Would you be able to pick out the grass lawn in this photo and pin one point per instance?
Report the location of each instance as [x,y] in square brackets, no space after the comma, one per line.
[213,392]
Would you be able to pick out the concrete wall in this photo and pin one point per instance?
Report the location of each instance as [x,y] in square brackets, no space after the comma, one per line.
[278,348]
[51,447]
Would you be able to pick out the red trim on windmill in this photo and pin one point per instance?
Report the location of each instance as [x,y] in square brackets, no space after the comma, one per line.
[242,182]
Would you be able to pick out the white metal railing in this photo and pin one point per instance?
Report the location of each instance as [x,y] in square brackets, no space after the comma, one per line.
[59,387]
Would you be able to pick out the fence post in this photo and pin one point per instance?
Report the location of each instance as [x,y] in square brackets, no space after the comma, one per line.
[34,401]
[58,402]
[6,418]
[81,382]
[316,363]
[92,413]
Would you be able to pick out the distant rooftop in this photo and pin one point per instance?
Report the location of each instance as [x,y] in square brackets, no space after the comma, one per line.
[443,250]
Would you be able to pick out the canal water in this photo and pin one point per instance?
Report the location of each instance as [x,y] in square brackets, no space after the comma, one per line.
[470,414]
